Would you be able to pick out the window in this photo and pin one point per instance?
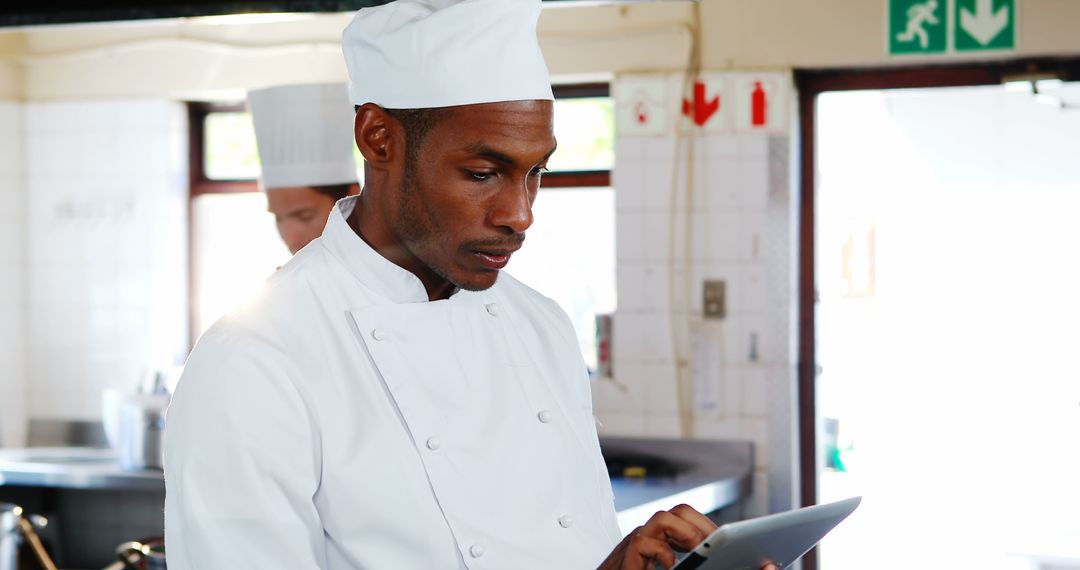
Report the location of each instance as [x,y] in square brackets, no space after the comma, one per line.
[233,240]
[229,146]
[585,129]
[570,253]
[235,246]
[229,149]
[569,256]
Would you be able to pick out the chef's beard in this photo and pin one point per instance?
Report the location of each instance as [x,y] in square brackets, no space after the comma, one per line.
[419,231]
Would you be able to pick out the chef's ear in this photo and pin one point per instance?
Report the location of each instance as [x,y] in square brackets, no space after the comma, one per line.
[378,135]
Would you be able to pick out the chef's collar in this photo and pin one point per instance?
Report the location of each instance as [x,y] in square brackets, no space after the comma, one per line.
[381,275]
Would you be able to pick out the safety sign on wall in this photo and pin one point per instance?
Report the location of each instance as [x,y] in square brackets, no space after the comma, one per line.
[641,105]
[706,103]
[927,27]
[761,103]
[712,103]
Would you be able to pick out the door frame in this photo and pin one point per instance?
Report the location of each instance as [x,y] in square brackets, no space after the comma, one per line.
[810,84]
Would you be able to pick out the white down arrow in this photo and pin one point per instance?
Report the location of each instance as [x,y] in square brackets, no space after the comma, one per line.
[985,24]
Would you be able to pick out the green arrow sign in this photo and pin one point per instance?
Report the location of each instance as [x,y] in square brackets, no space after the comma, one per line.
[985,25]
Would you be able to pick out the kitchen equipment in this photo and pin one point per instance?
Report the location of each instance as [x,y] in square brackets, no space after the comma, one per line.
[134,423]
[148,554]
[15,526]
[141,429]
[9,535]
[112,400]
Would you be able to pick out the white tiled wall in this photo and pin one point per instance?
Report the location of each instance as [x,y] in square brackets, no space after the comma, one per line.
[12,276]
[736,373]
[106,277]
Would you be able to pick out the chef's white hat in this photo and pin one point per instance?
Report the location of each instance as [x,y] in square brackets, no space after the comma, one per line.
[304,134]
[420,54]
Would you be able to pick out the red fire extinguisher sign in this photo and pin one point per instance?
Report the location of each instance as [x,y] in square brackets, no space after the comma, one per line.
[761,103]
[759,106]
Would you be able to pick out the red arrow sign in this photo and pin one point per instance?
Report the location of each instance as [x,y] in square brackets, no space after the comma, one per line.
[700,111]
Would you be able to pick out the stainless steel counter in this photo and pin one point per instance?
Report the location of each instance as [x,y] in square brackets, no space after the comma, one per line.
[710,476]
[65,482]
[72,468]
[714,475]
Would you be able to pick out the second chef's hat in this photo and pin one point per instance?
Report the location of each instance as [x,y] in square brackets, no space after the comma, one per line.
[420,54]
[304,134]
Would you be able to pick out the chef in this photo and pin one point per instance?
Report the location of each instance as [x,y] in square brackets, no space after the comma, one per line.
[305,141]
[392,400]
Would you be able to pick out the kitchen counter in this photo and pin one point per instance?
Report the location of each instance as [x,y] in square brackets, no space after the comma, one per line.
[711,474]
[73,468]
[68,483]
[708,475]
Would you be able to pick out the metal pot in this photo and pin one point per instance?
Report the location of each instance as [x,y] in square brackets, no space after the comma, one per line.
[16,526]
[142,427]
[9,535]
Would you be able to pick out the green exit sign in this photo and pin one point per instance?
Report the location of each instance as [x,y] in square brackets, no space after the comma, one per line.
[918,26]
[928,27]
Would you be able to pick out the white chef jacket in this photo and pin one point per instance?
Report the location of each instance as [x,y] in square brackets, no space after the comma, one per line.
[343,421]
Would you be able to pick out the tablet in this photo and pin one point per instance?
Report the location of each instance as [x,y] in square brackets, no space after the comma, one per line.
[780,539]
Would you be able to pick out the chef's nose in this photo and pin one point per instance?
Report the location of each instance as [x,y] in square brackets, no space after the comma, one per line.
[513,208]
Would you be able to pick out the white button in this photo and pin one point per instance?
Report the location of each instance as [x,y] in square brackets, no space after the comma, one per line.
[378,334]
[476,550]
[492,309]
[544,416]
[434,443]
[565,521]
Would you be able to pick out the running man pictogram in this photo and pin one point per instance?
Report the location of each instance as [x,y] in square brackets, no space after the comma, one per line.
[918,17]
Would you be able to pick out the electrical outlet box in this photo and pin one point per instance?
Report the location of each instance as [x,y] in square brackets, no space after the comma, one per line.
[715,304]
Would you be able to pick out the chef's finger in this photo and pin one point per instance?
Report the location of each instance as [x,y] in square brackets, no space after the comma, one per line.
[674,530]
[644,550]
[692,516]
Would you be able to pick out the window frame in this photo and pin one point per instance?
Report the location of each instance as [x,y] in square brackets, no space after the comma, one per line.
[579,178]
[199,182]
[810,83]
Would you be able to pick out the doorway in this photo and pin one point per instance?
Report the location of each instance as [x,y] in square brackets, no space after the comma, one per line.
[947,392]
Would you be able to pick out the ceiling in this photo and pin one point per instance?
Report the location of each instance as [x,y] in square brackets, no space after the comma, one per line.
[15,13]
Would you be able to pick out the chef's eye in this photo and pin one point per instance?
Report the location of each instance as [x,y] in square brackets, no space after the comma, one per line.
[480,175]
[539,170]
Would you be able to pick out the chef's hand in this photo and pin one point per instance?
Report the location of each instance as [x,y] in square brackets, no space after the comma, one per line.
[681,528]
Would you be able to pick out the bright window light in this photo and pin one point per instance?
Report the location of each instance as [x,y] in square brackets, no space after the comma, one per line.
[235,248]
[569,256]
